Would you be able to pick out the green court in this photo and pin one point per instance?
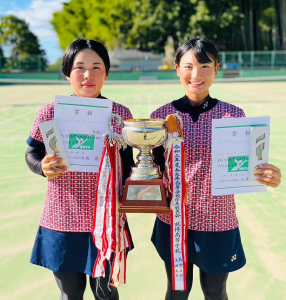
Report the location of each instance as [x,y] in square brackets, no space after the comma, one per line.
[262,216]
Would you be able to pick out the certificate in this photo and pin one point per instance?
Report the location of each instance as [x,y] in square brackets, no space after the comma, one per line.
[83,122]
[238,145]
[53,140]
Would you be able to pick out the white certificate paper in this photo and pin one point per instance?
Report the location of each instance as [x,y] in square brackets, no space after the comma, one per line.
[83,122]
[53,140]
[232,155]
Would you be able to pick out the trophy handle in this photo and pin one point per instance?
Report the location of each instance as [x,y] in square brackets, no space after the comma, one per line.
[119,121]
[179,118]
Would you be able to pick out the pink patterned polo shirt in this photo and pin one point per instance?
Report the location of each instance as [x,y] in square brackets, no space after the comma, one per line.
[204,211]
[70,197]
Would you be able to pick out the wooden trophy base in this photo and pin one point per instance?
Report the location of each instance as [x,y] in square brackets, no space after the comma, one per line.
[144,196]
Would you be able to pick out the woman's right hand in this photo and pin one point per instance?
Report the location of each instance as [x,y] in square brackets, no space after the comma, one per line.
[49,162]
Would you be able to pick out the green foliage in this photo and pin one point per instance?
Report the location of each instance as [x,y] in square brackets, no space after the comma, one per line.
[2,59]
[15,33]
[25,48]
[268,18]
[104,21]
[147,24]
[56,67]
[155,21]
[144,24]
[219,21]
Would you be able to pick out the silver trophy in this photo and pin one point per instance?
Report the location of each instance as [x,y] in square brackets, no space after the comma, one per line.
[144,190]
[144,134]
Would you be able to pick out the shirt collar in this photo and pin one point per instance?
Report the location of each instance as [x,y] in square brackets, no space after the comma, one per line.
[201,107]
[183,105]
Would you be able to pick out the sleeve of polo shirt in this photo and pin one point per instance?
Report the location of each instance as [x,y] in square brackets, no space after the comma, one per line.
[36,148]
[34,157]
[128,114]
[35,139]
[242,113]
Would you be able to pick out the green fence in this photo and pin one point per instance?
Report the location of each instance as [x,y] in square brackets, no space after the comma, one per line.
[22,63]
[232,65]
[253,59]
[228,60]
[143,75]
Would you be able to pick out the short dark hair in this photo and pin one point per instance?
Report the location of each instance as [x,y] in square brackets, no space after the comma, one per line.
[79,45]
[203,50]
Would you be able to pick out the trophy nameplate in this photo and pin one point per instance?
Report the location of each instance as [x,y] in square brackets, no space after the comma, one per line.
[144,196]
[144,191]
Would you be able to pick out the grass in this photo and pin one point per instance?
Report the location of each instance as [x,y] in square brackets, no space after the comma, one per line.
[262,216]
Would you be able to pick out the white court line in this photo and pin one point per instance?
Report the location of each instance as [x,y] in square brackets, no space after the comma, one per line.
[5,108]
[19,117]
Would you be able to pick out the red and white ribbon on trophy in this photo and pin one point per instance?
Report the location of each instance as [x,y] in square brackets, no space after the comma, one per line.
[175,168]
[109,232]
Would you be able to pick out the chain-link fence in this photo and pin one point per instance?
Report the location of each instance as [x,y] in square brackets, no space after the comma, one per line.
[23,63]
[228,60]
[253,60]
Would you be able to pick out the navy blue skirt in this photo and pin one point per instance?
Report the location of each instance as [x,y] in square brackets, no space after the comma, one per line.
[66,252]
[212,252]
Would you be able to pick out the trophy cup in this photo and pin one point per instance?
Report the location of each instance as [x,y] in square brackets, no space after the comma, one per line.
[144,191]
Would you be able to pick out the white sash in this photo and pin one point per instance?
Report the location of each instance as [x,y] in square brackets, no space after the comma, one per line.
[109,232]
[178,217]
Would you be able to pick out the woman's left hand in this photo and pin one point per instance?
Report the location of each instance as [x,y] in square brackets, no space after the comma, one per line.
[268,175]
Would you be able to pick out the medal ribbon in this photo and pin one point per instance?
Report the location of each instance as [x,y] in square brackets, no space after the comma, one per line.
[109,232]
[178,216]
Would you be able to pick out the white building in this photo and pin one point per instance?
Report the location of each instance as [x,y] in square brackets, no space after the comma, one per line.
[134,60]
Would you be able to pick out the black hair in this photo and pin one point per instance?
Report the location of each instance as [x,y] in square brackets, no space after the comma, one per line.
[79,45]
[203,50]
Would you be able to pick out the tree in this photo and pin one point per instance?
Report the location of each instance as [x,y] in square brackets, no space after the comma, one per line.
[2,58]
[15,34]
[55,67]
[281,13]
[155,21]
[264,25]
[218,21]
[104,21]
[149,24]
[145,24]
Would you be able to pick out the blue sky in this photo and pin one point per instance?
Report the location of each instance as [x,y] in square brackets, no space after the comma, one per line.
[37,13]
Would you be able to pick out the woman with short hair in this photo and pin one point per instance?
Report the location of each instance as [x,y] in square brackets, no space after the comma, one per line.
[64,242]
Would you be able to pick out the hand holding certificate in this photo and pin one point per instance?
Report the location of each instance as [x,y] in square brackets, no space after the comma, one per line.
[239,145]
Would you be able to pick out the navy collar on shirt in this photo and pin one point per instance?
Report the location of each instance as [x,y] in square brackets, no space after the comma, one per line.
[183,105]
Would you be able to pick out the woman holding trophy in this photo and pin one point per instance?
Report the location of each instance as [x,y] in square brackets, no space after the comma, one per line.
[213,238]
[64,242]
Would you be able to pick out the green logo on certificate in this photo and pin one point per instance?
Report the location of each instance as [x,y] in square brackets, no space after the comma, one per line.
[81,141]
[238,164]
